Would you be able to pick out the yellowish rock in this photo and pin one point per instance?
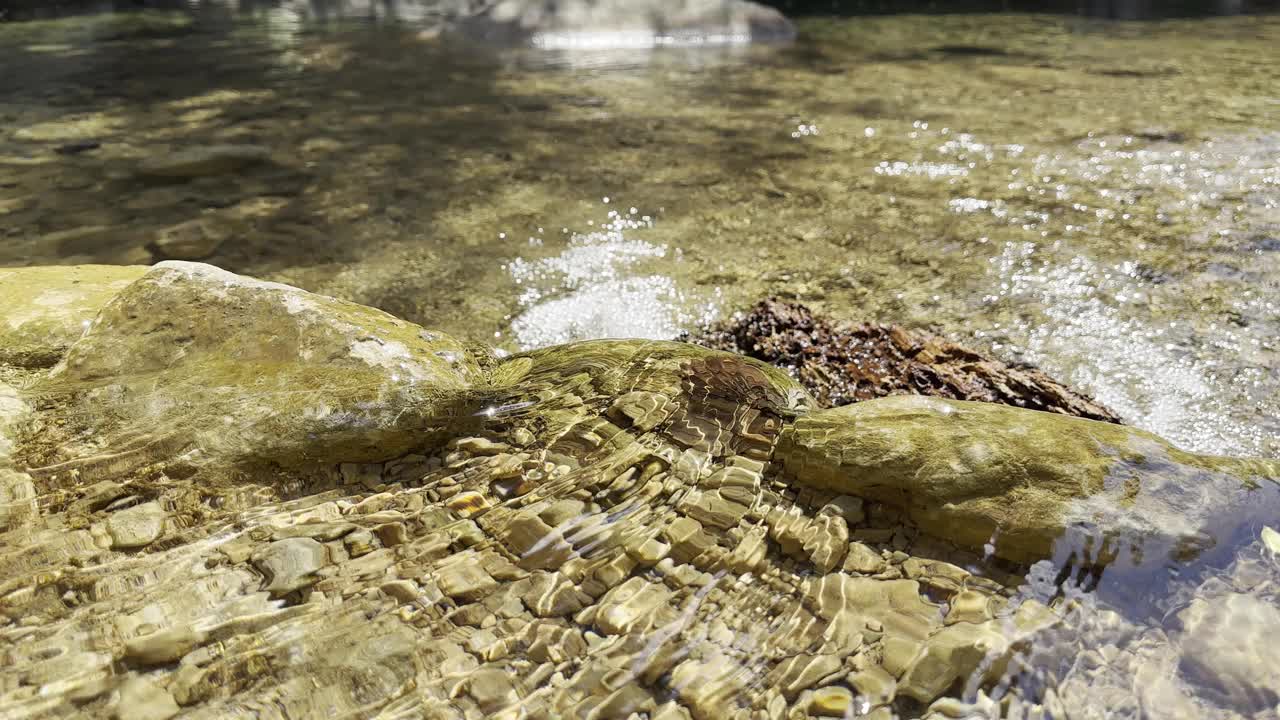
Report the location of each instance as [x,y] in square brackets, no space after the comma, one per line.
[874,685]
[834,701]
[137,526]
[163,647]
[141,699]
[48,308]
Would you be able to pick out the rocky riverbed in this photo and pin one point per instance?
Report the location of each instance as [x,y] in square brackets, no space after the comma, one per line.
[225,497]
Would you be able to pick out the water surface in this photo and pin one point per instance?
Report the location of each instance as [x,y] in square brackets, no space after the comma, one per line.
[1099,199]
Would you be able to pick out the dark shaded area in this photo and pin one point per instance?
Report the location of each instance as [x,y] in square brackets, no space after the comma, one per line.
[362,95]
[846,364]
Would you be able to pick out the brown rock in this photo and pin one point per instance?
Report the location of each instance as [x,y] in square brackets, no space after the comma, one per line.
[842,364]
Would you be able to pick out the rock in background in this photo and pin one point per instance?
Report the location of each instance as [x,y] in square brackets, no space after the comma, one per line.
[625,23]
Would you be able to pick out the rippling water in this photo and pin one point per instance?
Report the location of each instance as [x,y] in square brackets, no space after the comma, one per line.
[1101,200]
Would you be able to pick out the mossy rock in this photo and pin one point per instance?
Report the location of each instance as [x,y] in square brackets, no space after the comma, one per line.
[981,473]
[203,360]
[47,308]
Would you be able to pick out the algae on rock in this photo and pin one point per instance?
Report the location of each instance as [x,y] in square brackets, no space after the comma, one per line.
[981,474]
[46,309]
[194,358]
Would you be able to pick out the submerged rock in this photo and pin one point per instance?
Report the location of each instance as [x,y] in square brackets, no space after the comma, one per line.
[14,414]
[203,161]
[1219,653]
[842,364]
[137,526]
[191,240]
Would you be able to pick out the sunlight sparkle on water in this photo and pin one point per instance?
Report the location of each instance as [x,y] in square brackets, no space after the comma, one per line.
[605,283]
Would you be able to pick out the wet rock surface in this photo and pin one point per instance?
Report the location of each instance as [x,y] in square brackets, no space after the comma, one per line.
[48,308]
[842,363]
[975,473]
[586,531]
[203,362]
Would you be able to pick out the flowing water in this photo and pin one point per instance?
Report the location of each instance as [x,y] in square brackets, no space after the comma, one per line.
[1099,199]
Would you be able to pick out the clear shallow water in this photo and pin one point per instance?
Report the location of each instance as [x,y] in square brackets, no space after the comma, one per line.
[1102,200]
[1096,198]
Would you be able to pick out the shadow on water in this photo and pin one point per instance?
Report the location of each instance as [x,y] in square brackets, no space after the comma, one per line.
[374,129]
[363,123]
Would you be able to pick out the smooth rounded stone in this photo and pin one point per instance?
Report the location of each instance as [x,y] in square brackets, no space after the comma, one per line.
[163,647]
[626,23]
[875,686]
[291,564]
[969,606]
[1230,647]
[465,580]
[957,709]
[203,161]
[242,369]
[46,309]
[17,500]
[137,526]
[633,606]
[404,591]
[980,473]
[951,654]
[492,689]
[14,413]
[191,240]
[862,559]
[846,506]
[666,366]
[832,701]
[141,699]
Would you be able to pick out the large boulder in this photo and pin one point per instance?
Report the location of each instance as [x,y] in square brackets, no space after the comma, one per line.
[48,308]
[626,23]
[981,474]
[195,360]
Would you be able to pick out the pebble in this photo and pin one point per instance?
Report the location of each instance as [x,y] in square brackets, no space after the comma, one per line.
[141,699]
[137,526]
[290,564]
[163,647]
[832,701]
